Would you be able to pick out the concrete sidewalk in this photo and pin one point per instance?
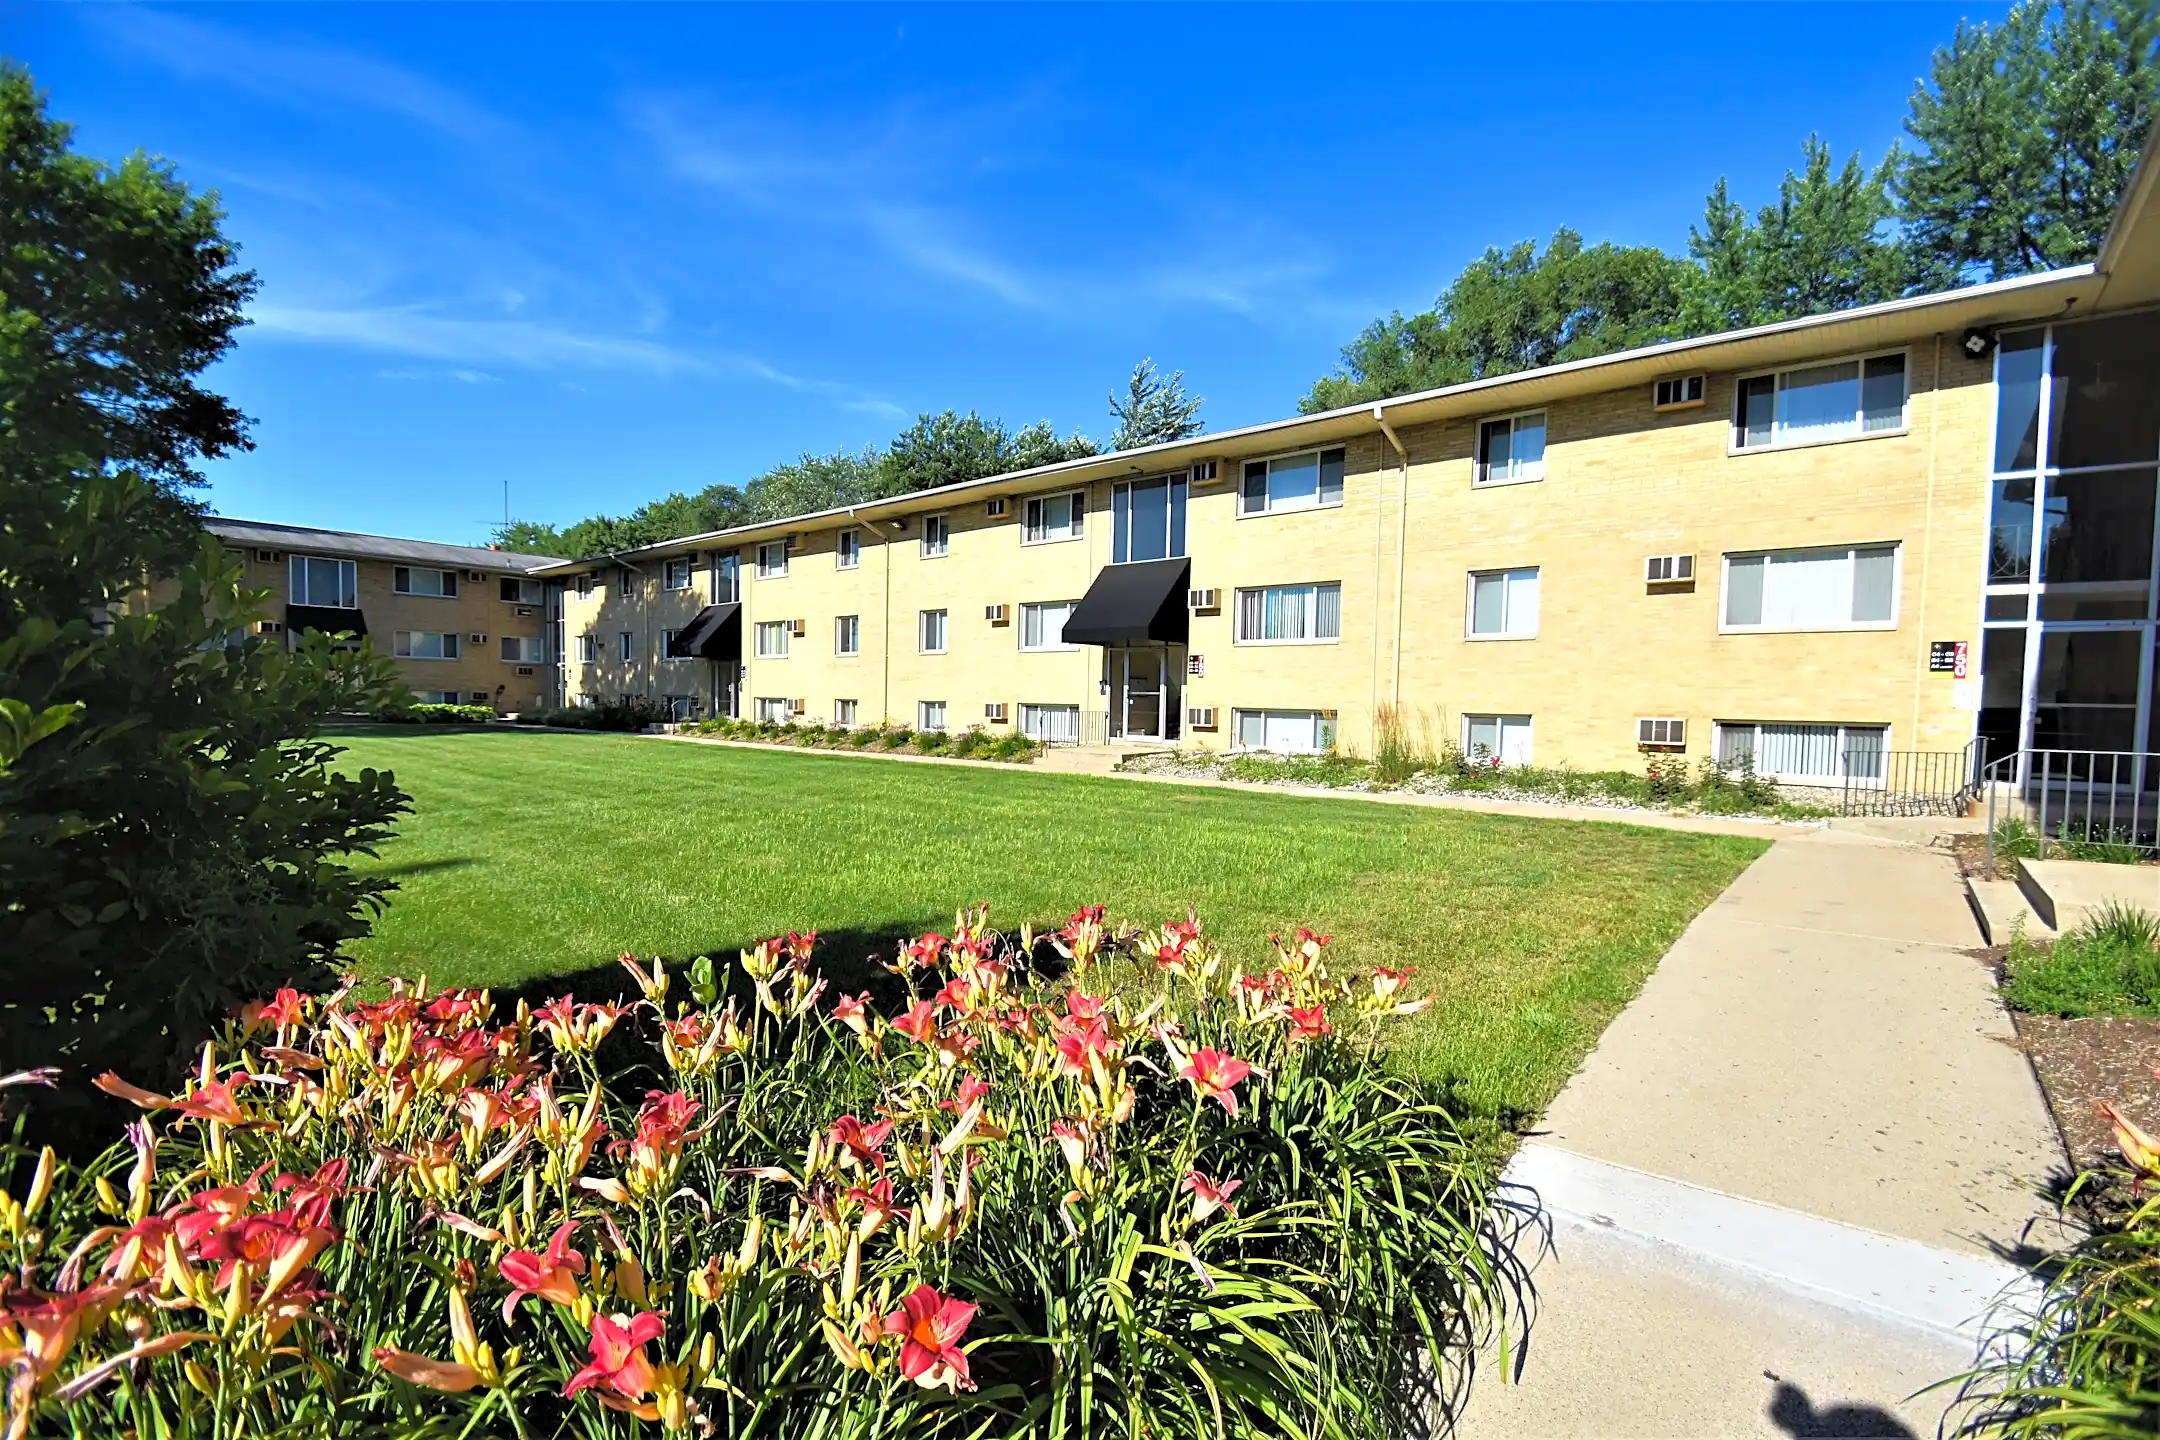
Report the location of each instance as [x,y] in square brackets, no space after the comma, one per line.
[1792,1173]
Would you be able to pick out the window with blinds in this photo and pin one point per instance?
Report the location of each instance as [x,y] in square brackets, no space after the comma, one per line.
[1845,588]
[1289,614]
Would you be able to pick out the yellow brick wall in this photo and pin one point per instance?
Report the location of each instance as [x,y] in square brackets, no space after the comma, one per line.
[1621,483]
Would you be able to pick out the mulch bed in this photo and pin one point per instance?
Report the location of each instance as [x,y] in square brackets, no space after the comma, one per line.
[2083,1062]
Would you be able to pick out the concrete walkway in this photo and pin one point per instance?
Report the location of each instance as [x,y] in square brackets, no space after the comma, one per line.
[1793,1172]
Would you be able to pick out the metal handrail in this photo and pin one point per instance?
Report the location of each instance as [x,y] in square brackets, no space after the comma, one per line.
[1910,782]
[2089,796]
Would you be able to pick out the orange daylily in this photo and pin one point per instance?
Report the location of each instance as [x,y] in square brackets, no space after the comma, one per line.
[1215,1075]
[553,1276]
[930,1326]
[619,1366]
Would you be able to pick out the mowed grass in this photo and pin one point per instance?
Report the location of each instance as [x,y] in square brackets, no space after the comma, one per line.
[534,856]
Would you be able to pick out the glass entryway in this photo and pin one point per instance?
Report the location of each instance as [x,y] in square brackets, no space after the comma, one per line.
[1144,684]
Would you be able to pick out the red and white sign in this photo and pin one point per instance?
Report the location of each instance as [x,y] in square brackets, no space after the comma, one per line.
[1961,667]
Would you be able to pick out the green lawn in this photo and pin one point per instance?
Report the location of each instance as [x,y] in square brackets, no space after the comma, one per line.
[543,855]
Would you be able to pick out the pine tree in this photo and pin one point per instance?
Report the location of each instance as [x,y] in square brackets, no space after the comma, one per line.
[1154,410]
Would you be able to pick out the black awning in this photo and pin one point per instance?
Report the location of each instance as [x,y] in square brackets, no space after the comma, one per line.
[1129,604]
[716,634]
[327,618]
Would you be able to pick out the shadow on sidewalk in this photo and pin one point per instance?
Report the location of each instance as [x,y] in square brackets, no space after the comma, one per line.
[1792,1412]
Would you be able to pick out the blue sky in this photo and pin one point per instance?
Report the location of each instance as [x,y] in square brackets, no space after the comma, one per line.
[605,253]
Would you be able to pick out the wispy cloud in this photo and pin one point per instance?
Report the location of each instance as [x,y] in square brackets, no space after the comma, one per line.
[462,376]
[303,74]
[412,330]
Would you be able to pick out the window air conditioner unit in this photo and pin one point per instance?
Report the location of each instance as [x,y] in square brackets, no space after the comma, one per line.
[475,576]
[1210,599]
[267,557]
[800,627]
[995,710]
[1678,392]
[1200,717]
[997,614]
[797,706]
[524,669]
[269,627]
[524,612]
[1668,569]
[994,508]
[1661,733]
[476,638]
[1203,473]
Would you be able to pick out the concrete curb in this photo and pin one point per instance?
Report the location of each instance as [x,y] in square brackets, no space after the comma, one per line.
[1883,1276]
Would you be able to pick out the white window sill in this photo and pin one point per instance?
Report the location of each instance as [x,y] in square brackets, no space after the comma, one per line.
[1487,639]
[1244,514]
[1333,640]
[1873,625]
[1051,540]
[403,595]
[1506,480]
[933,652]
[933,554]
[852,565]
[1777,445]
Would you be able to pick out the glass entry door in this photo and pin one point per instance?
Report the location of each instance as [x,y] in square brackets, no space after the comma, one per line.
[2087,685]
[1144,690]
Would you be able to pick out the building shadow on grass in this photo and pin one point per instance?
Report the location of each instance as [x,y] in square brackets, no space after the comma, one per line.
[410,868]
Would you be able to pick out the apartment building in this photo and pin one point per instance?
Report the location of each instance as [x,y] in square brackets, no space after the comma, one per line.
[1897,528]
[466,625]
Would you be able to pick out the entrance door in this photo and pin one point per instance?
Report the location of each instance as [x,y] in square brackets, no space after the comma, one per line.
[2086,688]
[1142,686]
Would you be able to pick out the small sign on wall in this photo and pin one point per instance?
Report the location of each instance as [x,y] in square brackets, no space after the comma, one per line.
[1196,665]
[1950,657]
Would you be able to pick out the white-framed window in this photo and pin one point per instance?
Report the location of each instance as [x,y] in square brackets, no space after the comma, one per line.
[1304,481]
[675,574]
[1051,724]
[425,645]
[1803,753]
[625,645]
[843,713]
[522,592]
[772,559]
[1834,400]
[411,580]
[523,649]
[1289,615]
[588,649]
[1048,518]
[847,551]
[930,632]
[584,585]
[1042,624]
[439,697]
[936,535]
[315,580]
[626,580]
[930,714]
[772,639]
[1503,604]
[775,709]
[847,635]
[1837,588]
[1511,449]
[667,645]
[1502,738]
[1286,732]
[1147,519]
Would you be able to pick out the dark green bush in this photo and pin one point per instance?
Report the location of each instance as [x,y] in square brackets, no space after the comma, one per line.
[435,714]
[2110,965]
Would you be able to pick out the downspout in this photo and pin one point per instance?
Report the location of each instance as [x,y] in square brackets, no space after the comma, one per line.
[885,633]
[1402,530]
[1927,549]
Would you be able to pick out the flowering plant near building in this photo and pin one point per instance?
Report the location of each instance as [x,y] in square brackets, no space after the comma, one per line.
[1162,1196]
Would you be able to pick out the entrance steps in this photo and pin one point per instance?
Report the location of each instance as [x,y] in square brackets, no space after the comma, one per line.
[2065,893]
[1091,759]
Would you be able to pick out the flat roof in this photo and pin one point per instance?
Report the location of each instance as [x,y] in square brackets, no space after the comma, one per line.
[267,535]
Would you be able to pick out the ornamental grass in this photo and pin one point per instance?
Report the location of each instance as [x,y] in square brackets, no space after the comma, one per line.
[1026,1193]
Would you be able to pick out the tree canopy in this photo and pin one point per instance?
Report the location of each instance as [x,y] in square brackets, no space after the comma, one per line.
[1154,410]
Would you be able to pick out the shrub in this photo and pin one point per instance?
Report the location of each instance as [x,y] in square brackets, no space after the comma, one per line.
[930,742]
[417,714]
[617,715]
[991,1208]
[2108,847]
[895,737]
[2015,839]
[2110,965]
[968,741]
[1397,753]
[861,739]
[1332,769]
[1013,747]
[1665,779]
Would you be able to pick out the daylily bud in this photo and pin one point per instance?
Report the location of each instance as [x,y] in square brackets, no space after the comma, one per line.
[108,1198]
[198,1377]
[41,1183]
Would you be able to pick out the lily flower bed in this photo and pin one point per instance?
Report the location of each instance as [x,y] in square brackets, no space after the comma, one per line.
[973,743]
[1187,1202]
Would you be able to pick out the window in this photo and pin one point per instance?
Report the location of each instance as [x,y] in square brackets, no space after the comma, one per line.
[424,645]
[772,560]
[1042,625]
[481,697]
[1286,732]
[406,580]
[772,639]
[847,635]
[774,710]
[1292,482]
[1511,449]
[1503,604]
[584,585]
[521,592]
[623,649]
[1835,589]
[1289,615]
[1051,724]
[930,633]
[680,707]
[843,713]
[1496,739]
[667,646]
[316,581]
[847,551]
[1820,402]
[1053,517]
[930,714]
[523,649]
[588,649]
[438,697]
[675,574]
[1147,520]
[727,578]
[625,580]
[936,535]
[1820,753]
